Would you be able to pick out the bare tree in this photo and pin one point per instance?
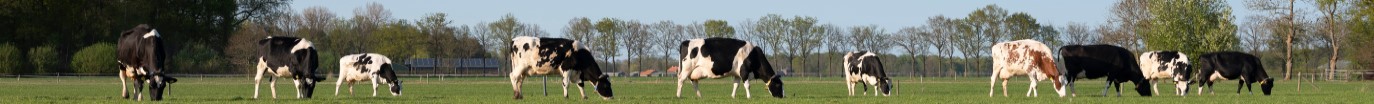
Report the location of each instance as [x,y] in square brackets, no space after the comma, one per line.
[1284,11]
[913,41]
[1079,33]
[1334,31]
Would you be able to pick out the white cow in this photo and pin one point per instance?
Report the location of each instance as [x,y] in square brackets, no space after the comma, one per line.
[1024,57]
[367,67]
[1158,65]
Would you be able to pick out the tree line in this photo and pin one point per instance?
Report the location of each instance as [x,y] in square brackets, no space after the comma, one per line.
[216,37]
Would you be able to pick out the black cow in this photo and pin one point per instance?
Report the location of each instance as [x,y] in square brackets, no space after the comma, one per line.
[287,57]
[1096,61]
[864,68]
[543,56]
[721,57]
[1232,65]
[141,58]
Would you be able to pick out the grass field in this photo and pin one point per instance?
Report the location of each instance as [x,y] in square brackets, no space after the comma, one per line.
[487,90]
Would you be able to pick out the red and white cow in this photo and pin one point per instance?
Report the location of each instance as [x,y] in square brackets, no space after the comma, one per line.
[367,67]
[1024,57]
[1160,65]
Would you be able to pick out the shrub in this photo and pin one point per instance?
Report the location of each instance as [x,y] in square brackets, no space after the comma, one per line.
[44,59]
[10,58]
[97,58]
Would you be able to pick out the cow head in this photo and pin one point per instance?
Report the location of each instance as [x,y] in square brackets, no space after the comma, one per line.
[1059,84]
[389,75]
[158,84]
[307,85]
[1182,72]
[395,87]
[885,85]
[1143,88]
[602,84]
[774,86]
[1267,85]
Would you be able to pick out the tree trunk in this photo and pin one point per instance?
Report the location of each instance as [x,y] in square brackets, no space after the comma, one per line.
[1288,44]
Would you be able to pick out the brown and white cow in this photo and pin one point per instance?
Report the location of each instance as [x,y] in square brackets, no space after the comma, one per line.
[367,67]
[713,58]
[1024,57]
[864,68]
[543,56]
[1160,65]
[141,58]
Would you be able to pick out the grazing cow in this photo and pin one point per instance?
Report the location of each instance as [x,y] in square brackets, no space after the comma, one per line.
[1159,65]
[543,56]
[1024,57]
[1233,65]
[725,57]
[141,58]
[367,67]
[864,68]
[1096,61]
[287,57]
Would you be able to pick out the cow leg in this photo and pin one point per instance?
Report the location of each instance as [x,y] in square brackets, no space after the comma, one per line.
[374,86]
[735,88]
[1249,89]
[297,83]
[1030,90]
[123,85]
[257,80]
[138,89]
[747,93]
[1107,88]
[696,86]
[340,83]
[1240,85]
[515,80]
[1118,88]
[350,88]
[875,90]
[992,86]
[1004,88]
[681,78]
[581,90]
[850,84]
[1154,86]
[565,87]
[272,84]
[864,86]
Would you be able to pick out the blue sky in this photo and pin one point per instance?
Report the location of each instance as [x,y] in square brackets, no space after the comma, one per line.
[552,15]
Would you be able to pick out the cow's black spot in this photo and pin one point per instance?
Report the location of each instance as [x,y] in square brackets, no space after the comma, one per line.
[693,52]
[525,47]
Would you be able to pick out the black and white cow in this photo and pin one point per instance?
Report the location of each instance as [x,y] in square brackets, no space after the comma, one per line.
[1160,65]
[141,58]
[863,68]
[1096,61]
[1233,66]
[287,57]
[543,56]
[367,67]
[725,57]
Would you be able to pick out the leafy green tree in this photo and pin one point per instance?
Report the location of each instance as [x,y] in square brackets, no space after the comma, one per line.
[719,28]
[607,43]
[1192,27]
[95,59]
